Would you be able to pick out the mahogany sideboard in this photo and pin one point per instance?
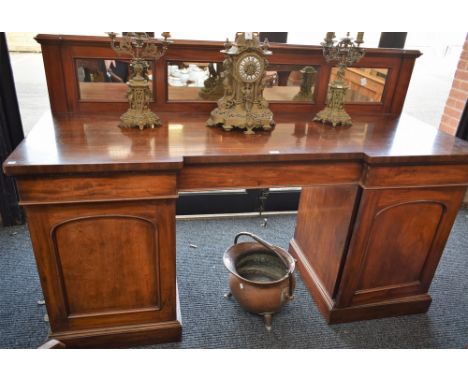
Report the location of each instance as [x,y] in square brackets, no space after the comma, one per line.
[378,201]
[377,204]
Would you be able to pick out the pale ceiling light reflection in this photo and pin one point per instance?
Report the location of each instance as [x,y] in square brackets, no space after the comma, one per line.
[176,131]
[119,151]
[418,138]
[176,127]
[42,140]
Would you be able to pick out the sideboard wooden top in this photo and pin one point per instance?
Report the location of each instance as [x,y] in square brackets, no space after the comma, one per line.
[94,143]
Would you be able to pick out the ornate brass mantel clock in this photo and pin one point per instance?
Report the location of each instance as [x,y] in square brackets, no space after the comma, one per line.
[242,105]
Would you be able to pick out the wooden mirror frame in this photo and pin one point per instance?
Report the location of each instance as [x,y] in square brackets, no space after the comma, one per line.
[59,54]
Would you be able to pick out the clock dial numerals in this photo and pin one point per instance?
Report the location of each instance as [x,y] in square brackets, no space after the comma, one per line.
[250,68]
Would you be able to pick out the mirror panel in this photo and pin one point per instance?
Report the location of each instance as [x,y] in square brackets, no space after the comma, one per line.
[105,80]
[201,81]
[365,84]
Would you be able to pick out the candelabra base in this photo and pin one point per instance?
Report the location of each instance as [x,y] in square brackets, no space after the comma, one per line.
[333,117]
[140,119]
[335,113]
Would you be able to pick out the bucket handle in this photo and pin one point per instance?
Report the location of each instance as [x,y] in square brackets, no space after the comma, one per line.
[274,250]
[258,239]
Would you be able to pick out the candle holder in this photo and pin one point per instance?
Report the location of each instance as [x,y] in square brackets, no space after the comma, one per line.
[139,47]
[345,53]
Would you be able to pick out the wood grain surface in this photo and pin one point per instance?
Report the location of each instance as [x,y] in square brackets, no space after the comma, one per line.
[95,143]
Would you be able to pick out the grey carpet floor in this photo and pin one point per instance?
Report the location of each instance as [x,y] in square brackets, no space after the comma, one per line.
[210,321]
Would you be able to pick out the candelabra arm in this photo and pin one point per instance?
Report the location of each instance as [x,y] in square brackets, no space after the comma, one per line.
[154,52]
[123,47]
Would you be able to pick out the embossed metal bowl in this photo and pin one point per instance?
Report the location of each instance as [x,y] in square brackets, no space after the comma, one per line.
[261,276]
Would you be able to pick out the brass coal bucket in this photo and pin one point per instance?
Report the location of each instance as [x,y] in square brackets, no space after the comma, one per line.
[261,276]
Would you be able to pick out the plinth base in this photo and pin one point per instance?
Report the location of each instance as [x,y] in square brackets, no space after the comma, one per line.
[123,336]
[140,119]
[333,315]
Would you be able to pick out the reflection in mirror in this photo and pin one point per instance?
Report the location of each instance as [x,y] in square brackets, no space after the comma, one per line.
[104,80]
[365,84]
[294,83]
[194,81]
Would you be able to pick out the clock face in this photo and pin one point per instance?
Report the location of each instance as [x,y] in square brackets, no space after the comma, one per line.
[250,68]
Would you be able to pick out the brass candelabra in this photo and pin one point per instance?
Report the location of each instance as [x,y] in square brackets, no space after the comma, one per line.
[345,53]
[139,47]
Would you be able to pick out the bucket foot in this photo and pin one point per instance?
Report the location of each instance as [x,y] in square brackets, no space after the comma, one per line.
[268,319]
[227,295]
